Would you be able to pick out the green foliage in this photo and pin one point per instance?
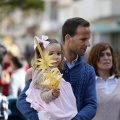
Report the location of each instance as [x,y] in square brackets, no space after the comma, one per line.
[9,5]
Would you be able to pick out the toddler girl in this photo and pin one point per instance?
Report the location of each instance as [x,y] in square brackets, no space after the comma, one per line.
[51,103]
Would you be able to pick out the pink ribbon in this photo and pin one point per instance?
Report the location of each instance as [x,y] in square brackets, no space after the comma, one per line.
[43,41]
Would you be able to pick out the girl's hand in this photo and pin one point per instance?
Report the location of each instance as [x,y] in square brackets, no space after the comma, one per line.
[56,92]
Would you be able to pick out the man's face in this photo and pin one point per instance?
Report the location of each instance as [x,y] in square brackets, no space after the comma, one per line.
[80,41]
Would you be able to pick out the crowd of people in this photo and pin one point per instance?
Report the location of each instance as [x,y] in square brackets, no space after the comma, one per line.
[12,82]
[88,88]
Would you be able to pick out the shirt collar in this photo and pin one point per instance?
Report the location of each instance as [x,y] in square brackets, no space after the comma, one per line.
[111,78]
[72,61]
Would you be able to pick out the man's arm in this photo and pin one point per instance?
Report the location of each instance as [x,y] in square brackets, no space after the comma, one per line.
[90,100]
[24,107]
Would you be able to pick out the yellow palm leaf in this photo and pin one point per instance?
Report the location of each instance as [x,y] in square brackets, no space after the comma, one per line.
[52,78]
[43,64]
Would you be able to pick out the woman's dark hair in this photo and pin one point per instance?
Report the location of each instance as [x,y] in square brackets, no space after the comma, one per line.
[17,62]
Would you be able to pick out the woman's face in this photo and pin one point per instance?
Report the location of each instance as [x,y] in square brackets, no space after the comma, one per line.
[105,60]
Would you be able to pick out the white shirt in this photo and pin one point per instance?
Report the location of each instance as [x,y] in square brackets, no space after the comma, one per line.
[17,82]
[107,86]
[70,65]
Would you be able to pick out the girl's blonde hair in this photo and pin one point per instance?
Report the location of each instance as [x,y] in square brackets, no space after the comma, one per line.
[37,53]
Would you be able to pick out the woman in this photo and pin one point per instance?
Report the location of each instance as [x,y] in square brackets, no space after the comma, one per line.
[17,79]
[102,58]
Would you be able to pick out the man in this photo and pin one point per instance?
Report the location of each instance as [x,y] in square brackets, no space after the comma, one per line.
[76,34]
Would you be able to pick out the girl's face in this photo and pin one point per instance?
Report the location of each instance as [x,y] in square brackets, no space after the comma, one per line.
[105,61]
[55,50]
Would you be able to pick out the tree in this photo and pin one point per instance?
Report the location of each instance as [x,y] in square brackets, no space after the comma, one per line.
[9,5]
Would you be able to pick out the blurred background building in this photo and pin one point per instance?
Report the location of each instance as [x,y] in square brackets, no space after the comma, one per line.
[19,26]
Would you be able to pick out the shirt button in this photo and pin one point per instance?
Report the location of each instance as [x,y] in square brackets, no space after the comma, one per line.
[66,71]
